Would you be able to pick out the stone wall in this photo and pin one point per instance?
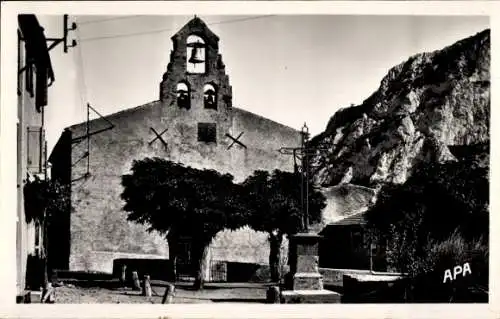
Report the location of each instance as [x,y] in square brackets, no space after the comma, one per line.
[98,222]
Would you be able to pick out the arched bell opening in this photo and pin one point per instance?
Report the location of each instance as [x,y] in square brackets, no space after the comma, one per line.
[183,95]
[210,96]
[196,55]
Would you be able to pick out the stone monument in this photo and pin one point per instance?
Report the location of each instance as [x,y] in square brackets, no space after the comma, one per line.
[306,281]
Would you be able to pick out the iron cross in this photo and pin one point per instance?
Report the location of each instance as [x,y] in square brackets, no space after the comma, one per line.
[302,154]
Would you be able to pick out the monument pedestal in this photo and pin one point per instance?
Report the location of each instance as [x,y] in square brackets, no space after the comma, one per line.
[307,282]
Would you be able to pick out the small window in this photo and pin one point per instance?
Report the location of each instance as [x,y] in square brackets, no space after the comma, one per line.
[35,150]
[209,97]
[207,132]
[183,96]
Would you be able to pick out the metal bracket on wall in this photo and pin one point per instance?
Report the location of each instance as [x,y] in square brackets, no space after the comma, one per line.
[88,133]
[158,137]
[56,41]
[87,136]
[235,140]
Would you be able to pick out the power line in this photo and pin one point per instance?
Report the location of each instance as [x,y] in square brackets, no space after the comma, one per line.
[170,29]
[79,58]
[109,19]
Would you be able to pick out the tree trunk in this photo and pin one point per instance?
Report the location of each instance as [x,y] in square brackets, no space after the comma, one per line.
[172,254]
[275,255]
[200,254]
[123,277]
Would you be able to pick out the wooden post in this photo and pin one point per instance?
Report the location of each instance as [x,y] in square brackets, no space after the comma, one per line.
[168,296]
[273,294]
[123,277]
[48,294]
[135,281]
[146,286]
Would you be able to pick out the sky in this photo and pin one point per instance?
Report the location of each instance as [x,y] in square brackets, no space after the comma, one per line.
[289,68]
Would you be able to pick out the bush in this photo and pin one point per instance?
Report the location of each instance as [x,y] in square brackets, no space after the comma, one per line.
[457,251]
[434,286]
[443,207]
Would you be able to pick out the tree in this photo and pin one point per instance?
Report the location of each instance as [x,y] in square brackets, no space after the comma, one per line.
[181,201]
[273,206]
[43,201]
[434,219]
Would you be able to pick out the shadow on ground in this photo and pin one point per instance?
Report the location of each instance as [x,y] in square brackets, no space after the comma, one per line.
[112,293]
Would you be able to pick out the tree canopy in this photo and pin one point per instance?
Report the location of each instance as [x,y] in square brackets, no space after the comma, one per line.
[176,200]
[273,205]
[44,201]
[43,198]
[273,200]
[166,195]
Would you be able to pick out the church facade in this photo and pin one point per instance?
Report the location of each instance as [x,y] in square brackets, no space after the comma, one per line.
[194,123]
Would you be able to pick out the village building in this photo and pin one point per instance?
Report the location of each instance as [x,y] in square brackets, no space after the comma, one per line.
[195,123]
[34,76]
[345,240]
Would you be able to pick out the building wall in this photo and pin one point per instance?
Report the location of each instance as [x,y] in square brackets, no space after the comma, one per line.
[27,117]
[98,226]
[98,223]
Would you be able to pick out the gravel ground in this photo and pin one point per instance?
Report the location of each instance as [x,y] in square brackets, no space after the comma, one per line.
[70,295]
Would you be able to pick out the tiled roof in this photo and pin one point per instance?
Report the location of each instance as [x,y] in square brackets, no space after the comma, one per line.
[355,219]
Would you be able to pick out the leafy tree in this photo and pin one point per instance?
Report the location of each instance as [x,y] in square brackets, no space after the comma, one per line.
[439,202]
[273,206]
[43,201]
[181,201]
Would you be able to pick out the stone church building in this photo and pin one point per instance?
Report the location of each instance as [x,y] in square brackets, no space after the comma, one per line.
[193,122]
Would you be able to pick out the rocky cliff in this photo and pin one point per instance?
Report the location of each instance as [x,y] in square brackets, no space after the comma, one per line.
[425,108]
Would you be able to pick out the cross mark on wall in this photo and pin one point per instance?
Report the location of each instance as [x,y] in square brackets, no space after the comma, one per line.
[159,137]
[235,140]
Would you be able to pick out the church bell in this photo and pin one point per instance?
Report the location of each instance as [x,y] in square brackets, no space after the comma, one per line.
[196,55]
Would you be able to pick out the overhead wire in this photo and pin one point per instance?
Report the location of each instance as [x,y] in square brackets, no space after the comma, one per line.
[109,19]
[82,80]
[81,71]
[84,97]
[172,29]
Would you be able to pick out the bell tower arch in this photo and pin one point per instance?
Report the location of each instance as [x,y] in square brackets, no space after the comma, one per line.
[195,89]
[195,55]
[195,61]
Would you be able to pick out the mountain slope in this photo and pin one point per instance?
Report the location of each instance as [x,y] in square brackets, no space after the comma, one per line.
[424,109]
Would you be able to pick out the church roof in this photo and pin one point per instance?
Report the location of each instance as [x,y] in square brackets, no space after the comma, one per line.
[197,26]
[116,115]
[355,219]
[124,113]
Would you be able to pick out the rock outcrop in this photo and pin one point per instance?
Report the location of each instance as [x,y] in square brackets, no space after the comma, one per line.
[425,107]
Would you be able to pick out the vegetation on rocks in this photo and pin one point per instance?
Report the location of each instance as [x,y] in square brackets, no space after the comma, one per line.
[421,142]
[436,220]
